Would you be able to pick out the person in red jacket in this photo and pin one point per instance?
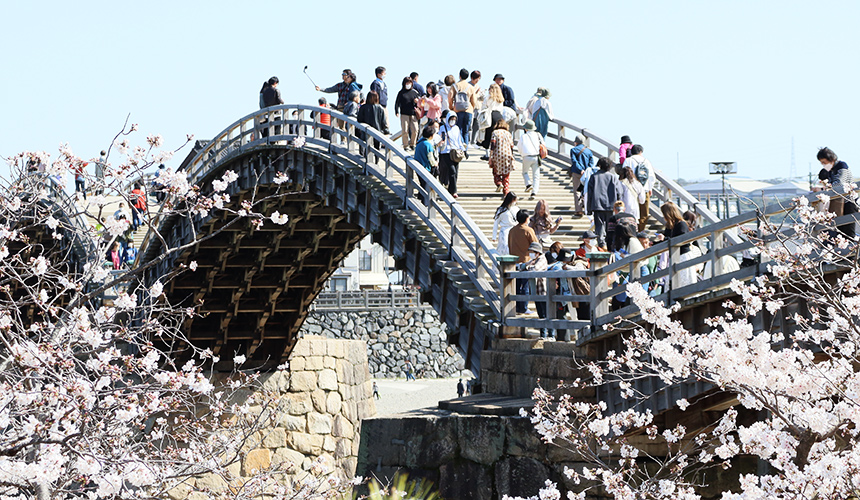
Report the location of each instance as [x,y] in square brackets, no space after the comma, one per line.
[138,205]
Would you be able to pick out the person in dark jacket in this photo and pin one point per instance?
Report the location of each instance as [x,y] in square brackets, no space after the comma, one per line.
[270,95]
[380,87]
[838,175]
[404,107]
[417,86]
[371,114]
[604,189]
[507,92]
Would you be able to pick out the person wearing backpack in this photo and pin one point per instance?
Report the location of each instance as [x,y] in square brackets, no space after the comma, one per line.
[463,103]
[453,152]
[539,109]
[581,159]
[644,173]
[530,151]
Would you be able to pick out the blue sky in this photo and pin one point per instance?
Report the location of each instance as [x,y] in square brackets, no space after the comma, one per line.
[699,81]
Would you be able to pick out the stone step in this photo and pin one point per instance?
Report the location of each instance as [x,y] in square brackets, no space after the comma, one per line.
[487,404]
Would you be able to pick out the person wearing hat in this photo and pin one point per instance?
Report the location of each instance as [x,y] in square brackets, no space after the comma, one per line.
[521,239]
[581,159]
[626,145]
[529,146]
[539,109]
[507,92]
[537,262]
[589,245]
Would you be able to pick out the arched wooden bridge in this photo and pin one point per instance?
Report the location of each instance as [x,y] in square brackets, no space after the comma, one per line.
[256,284]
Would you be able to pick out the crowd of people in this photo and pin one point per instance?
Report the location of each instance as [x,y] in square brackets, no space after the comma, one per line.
[441,121]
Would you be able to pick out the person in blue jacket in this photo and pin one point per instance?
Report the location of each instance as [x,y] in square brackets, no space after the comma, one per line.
[425,154]
[581,159]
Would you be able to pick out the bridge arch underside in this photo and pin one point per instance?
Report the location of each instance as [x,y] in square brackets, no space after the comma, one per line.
[256,285]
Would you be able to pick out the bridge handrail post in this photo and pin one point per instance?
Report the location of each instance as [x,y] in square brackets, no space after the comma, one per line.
[366,299]
[338,300]
[507,264]
[560,140]
[599,283]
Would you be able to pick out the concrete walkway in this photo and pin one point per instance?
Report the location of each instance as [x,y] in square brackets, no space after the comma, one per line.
[399,396]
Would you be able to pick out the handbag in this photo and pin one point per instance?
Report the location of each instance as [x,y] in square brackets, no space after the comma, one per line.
[457,155]
[542,150]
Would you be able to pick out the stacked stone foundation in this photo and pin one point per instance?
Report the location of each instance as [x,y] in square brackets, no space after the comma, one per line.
[319,403]
[393,337]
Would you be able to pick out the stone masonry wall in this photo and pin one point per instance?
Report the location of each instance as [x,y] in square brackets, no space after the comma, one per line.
[393,337]
[321,401]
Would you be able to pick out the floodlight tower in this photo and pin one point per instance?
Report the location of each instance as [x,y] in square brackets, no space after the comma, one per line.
[722,168]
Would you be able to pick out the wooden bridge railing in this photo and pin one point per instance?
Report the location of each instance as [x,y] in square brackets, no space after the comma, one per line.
[367,300]
[716,241]
[665,190]
[380,158]
[67,211]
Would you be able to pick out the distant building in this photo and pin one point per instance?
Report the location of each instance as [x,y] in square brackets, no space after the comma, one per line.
[367,268]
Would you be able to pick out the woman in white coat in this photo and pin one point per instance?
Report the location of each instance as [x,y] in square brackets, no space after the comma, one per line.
[503,221]
[632,192]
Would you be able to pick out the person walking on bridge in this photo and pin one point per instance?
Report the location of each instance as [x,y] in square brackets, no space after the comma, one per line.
[404,107]
[604,189]
[463,102]
[415,85]
[270,95]
[343,88]
[581,159]
[520,240]
[507,92]
[529,146]
[453,152]
[381,88]
[502,156]
[644,174]
[371,114]
[539,109]
[838,175]
[504,219]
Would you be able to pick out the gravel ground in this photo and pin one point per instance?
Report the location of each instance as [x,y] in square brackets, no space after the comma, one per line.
[399,396]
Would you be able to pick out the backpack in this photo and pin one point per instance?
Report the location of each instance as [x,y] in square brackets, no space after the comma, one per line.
[642,173]
[461,101]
